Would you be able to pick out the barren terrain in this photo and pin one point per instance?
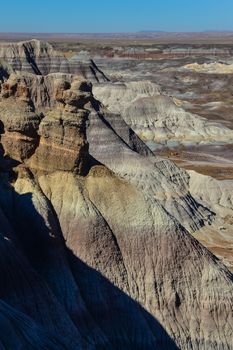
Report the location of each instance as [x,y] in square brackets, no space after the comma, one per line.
[116,191]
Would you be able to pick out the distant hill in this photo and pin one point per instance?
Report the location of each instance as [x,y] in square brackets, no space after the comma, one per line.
[152,31]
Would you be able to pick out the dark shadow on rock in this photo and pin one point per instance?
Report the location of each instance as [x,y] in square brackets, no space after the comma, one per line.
[31,61]
[86,164]
[95,67]
[126,324]
[32,232]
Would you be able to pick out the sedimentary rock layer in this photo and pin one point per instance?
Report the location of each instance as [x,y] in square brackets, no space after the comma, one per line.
[96,250]
[40,58]
[156,117]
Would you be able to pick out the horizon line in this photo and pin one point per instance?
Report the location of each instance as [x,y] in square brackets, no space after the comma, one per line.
[121,32]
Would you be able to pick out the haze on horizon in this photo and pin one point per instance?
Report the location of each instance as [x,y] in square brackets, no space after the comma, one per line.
[104,16]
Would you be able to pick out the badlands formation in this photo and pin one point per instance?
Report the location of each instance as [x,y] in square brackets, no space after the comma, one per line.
[97,246]
[156,117]
[218,68]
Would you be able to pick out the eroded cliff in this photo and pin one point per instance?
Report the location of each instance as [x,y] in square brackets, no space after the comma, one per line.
[95,245]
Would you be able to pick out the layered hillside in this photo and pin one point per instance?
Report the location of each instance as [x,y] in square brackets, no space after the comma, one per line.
[96,250]
[156,117]
[40,58]
[190,140]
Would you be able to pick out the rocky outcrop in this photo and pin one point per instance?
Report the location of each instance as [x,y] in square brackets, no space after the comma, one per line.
[40,58]
[33,56]
[112,143]
[217,195]
[96,250]
[28,134]
[155,117]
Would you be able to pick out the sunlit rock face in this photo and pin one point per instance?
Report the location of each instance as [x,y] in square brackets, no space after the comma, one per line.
[156,117]
[95,243]
[40,58]
[30,134]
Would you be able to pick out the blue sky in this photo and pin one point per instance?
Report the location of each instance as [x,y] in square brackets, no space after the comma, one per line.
[74,16]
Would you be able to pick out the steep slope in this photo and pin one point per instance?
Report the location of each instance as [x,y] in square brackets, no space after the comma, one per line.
[114,144]
[217,195]
[20,332]
[94,251]
[40,58]
[156,117]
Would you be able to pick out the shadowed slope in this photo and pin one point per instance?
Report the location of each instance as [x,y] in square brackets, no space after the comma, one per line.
[88,298]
